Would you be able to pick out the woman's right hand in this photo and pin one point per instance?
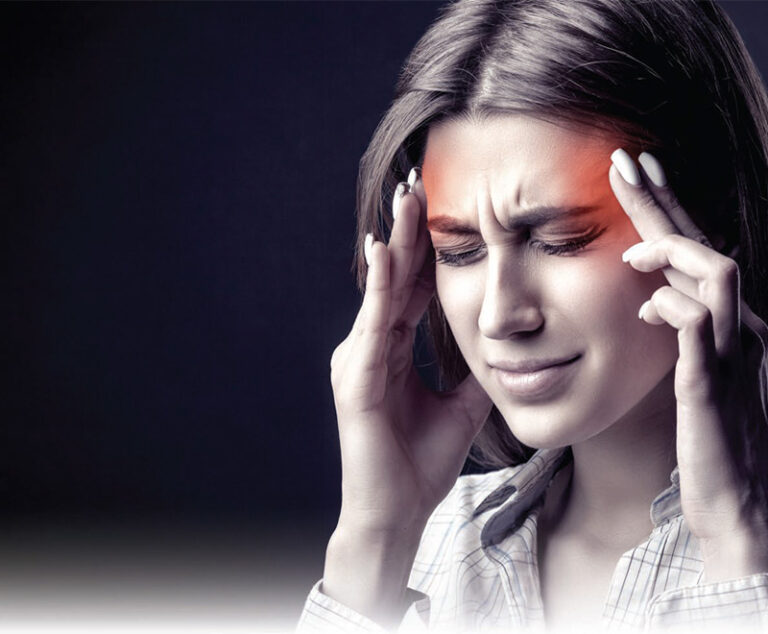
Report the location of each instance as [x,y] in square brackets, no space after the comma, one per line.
[402,444]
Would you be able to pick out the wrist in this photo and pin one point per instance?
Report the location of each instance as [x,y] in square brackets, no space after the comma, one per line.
[368,570]
[385,540]
[380,523]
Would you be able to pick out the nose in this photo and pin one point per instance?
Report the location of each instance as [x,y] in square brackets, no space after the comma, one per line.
[510,306]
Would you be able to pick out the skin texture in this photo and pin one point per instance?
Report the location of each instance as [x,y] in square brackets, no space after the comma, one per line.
[643,395]
[513,301]
[641,387]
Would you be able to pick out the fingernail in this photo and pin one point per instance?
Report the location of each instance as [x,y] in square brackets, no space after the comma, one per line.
[641,312]
[367,248]
[653,168]
[626,167]
[399,192]
[413,176]
[634,250]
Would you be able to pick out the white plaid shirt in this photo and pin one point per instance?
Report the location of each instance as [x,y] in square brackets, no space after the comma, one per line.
[476,568]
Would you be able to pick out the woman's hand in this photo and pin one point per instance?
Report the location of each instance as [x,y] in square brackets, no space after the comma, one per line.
[718,373]
[402,445]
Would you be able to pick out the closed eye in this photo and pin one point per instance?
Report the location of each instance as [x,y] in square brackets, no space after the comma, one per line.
[456,259]
[463,258]
[569,246]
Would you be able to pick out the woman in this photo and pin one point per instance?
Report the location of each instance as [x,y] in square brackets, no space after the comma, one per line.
[541,141]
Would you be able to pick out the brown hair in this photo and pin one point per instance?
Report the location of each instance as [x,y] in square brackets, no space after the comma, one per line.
[672,78]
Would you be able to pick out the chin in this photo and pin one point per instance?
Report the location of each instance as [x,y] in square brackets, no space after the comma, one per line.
[546,431]
[565,423]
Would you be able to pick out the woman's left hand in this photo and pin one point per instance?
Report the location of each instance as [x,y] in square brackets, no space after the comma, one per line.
[717,377]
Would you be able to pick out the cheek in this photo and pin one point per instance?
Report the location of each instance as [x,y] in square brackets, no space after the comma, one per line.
[605,300]
[603,293]
[594,299]
[461,295]
[586,293]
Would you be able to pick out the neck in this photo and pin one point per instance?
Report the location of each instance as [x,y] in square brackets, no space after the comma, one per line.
[616,475]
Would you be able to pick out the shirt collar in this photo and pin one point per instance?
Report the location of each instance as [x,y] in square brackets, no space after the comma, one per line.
[515,497]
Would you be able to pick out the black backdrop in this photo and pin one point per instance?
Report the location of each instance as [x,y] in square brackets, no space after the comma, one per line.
[177,192]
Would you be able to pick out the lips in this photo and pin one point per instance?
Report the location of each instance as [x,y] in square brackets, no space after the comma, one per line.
[531,365]
[546,378]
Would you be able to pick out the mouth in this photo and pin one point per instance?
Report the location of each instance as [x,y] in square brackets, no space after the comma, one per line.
[535,379]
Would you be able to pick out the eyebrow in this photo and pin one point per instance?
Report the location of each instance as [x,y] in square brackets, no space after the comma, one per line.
[531,218]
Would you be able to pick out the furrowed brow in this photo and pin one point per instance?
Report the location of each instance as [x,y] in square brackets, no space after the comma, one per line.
[530,218]
[450,225]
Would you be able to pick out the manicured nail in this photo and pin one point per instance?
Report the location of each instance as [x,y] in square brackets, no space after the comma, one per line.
[399,192]
[413,176]
[653,168]
[626,167]
[634,250]
[641,312]
[367,248]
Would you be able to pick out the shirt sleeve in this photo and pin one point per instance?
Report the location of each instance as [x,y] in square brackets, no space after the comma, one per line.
[321,613]
[735,602]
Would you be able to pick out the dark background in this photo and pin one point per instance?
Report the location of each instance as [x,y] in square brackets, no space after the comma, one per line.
[177,192]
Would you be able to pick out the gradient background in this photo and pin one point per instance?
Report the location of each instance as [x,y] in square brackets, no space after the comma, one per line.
[177,194]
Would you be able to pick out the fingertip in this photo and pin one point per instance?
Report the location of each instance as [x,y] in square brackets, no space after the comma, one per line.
[617,183]
[613,175]
[367,248]
[414,175]
[374,251]
[375,255]
[614,178]
[416,185]
[653,169]
[626,167]
[397,198]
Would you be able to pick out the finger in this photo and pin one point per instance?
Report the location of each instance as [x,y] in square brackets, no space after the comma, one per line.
[370,333]
[648,218]
[412,215]
[410,252]
[423,290]
[656,180]
[716,277]
[367,242]
[402,243]
[417,187]
[647,199]
[697,367]
[399,351]
[424,242]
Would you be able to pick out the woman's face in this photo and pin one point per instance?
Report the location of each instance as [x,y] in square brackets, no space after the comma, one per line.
[528,237]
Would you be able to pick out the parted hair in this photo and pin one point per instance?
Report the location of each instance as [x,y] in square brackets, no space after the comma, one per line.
[669,77]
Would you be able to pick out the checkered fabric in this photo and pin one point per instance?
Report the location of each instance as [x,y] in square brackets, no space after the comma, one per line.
[476,569]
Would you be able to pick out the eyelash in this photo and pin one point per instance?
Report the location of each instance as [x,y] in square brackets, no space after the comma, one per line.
[569,246]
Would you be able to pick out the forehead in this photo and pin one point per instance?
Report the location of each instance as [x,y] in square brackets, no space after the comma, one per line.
[511,163]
